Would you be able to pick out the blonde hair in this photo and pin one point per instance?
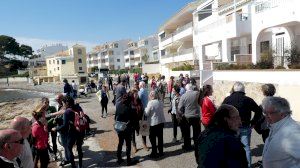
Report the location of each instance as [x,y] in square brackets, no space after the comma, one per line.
[39,110]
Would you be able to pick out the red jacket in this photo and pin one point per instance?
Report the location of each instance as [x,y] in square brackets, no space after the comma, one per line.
[208,110]
[40,136]
[170,86]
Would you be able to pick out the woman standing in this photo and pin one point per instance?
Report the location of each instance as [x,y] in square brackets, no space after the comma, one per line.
[137,108]
[68,131]
[153,83]
[208,108]
[40,136]
[125,114]
[170,87]
[174,112]
[104,99]
[154,111]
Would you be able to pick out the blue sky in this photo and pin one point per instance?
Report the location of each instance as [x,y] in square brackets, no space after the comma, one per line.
[90,22]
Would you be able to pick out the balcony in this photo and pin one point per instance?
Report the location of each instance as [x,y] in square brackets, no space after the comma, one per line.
[183,55]
[284,11]
[179,33]
[230,26]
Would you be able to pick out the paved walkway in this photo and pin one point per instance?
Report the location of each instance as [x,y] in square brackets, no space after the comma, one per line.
[100,151]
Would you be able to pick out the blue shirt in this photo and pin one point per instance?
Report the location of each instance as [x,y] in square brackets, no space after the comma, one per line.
[182,91]
[143,95]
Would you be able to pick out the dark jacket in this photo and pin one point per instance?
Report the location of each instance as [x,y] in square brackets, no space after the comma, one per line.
[68,89]
[219,148]
[244,105]
[124,113]
[6,164]
[68,119]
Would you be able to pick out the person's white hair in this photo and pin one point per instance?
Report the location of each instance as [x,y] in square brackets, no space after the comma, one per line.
[142,84]
[188,87]
[153,95]
[238,87]
[278,104]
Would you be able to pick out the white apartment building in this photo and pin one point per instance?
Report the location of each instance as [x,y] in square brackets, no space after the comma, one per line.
[46,51]
[176,40]
[108,56]
[225,31]
[140,52]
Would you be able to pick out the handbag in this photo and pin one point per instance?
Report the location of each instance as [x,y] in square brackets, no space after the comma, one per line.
[144,126]
[120,126]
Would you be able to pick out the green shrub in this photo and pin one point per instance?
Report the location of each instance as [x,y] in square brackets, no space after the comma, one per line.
[294,66]
[134,70]
[184,67]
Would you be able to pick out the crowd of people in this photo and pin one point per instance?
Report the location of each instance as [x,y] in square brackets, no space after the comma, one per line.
[26,143]
[225,141]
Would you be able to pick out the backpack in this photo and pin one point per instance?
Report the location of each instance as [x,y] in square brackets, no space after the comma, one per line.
[80,121]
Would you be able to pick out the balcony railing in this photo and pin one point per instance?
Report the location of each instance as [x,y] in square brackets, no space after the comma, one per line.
[182,52]
[178,30]
[265,5]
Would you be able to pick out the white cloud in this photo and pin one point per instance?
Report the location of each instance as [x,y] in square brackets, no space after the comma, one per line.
[36,43]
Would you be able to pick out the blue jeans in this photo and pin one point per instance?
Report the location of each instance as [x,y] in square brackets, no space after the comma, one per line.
[245,135]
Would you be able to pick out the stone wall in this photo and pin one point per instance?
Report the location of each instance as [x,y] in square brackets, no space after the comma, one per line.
[253,90]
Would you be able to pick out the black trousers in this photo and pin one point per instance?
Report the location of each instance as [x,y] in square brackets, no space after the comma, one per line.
[42,156]
[195,123]
[104,105]
[157,132]
[124,136]
[79,143]
[175,125]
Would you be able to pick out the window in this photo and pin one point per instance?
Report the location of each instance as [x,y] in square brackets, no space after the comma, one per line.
[118,60]
[127,60]
[58,68]
[49,61]
[131,52]
[79,51]
[162,52]
[79,60]
[57,62]
[63,61]
[80,68]
[163,35]
[116,45]
[205,12]
[126,52]
[264,46]
[53,61]
[146,42]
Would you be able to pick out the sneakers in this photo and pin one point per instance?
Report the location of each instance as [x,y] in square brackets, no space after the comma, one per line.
[131,162]
[64,162]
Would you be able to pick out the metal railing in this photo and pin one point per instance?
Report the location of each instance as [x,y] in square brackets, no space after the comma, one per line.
[182,52]
[178,30]
[265,5]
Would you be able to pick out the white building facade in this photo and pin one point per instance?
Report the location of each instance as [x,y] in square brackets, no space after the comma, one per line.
[176,45]
[108,56]
[225,31]
[141,52]
[44,51]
